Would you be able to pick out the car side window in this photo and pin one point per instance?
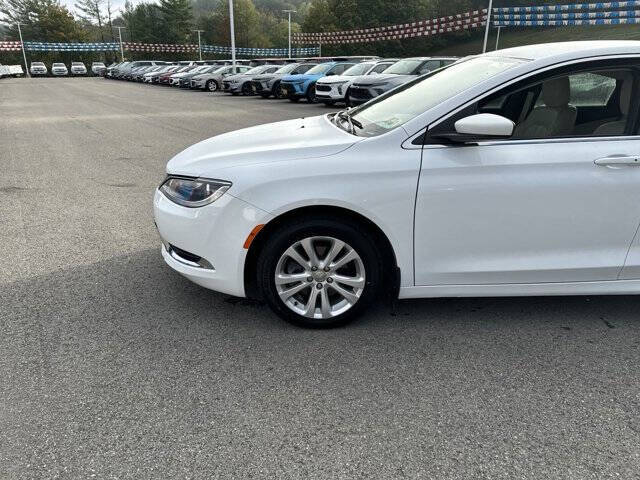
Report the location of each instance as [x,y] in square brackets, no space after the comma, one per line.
[429,66]
[380,68]
[586,103]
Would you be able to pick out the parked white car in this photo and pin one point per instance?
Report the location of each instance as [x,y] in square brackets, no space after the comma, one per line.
[38,69]
[516,172]
[78,68]
[98,68]
[59,70]
[335,88]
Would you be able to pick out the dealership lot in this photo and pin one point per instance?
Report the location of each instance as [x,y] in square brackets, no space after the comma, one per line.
[113,365]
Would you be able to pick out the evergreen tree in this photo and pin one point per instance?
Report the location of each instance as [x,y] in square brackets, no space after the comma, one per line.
[176,20]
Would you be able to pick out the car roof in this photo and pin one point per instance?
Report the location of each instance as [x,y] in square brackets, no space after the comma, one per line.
[565,50]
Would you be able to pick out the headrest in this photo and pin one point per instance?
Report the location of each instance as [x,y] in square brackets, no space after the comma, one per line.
[555,92]
[625,92]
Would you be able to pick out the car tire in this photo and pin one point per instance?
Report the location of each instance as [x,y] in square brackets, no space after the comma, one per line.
[278,92]
[212,86]
[327,301]
[294,99]
[247,90]
[311,94]
[347,99]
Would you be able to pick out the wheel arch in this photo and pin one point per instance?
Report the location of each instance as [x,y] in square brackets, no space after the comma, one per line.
[391,270]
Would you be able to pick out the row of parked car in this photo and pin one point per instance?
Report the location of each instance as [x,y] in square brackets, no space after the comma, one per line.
[39,69]
[352,80]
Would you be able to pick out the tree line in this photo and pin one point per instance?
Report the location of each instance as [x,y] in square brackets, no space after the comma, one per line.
[258,23]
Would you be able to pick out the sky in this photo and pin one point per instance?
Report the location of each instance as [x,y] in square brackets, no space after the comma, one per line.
[117,4]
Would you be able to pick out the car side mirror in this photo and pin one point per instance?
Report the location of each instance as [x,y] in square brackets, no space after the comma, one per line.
[479,127]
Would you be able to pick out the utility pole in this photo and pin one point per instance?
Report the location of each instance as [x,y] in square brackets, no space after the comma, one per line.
[24,55]
[120,35]
[498,36]
[486,29]
[233,37]
[289,12]
[199,46]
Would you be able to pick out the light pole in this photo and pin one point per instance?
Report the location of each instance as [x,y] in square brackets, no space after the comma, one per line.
[120,35]
[486,29]
[233,37]
[24,55]
[199,46]
[289,12]
[498,36]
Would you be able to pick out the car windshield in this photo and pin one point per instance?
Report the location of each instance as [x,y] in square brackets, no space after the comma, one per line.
[404,67]
[358,69]
[98,64]
[255,70]
[220,69]
[37,64]
[206,68]
[288,68]
[408,101]
[77,64]
[58,64]
[322,68]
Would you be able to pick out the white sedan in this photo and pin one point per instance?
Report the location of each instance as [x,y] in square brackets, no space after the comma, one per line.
[516,172]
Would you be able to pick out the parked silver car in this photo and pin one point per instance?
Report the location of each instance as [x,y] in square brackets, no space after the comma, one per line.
[212,81]
[335,88]
[268,84]
[38,69]
[241,82]
[59,70]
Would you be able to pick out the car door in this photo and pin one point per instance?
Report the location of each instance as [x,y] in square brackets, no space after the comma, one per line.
[557,202]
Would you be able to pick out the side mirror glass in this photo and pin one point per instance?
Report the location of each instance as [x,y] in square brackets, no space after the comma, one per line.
[479,127]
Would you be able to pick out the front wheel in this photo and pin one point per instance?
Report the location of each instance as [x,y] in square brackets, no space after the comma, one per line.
[212,85]
[320,273]
[311,94]
[247,89]
[279,92]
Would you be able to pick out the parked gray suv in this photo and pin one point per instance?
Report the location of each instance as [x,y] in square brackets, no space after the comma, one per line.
[212,81]
[268,84]
[367,87]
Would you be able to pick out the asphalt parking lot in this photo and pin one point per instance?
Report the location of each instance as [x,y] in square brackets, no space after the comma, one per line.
[114,366]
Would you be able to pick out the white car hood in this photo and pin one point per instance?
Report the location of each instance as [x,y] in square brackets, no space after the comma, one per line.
[296,139]
[336,79]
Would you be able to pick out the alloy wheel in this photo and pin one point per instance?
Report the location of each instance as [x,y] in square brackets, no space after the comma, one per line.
[320,277]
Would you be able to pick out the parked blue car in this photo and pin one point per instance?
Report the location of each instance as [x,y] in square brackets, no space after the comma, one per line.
[304,84]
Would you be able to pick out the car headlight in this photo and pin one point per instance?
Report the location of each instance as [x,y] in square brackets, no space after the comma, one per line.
[193,192]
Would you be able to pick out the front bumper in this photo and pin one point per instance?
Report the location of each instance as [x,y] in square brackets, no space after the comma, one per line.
[197,84]
[38,72]
[293,89]
[362,94]
[335,93]
[216,233]
[231,87]
[59,73]
[174,81]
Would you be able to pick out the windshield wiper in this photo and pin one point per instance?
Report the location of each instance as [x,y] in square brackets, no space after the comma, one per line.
[344,115]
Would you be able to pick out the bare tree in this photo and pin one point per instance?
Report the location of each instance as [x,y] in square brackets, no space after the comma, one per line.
[92,12]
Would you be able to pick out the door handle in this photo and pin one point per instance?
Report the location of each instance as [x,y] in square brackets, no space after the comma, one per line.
[618,160]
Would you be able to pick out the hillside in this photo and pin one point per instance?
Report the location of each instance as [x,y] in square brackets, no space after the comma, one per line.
[516,36]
